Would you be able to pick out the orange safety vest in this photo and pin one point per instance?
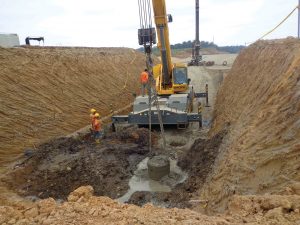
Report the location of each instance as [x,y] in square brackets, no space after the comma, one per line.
[97,125]
[144,77]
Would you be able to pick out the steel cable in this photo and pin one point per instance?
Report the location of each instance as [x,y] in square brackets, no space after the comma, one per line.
[280,22]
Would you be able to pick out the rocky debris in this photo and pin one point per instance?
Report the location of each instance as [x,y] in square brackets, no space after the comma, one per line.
[87,209]
[84,208]
[269,209]
[81,194]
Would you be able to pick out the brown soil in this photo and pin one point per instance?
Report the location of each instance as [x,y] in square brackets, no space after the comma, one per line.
[60,166]
[84,208]
[260,100]
[47,92]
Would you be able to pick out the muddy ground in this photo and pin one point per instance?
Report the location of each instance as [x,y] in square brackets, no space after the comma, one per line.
[60,166]
[197,162]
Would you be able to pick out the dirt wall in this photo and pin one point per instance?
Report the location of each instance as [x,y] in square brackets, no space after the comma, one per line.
[47,92]
[260,103]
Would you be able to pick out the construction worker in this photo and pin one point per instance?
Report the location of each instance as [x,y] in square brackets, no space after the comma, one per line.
[144,81]
[97,128]
[92,117]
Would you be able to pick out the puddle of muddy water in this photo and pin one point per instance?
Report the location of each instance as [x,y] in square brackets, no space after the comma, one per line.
[140,181]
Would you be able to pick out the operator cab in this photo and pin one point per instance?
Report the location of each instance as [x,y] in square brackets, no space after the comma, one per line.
[180,75]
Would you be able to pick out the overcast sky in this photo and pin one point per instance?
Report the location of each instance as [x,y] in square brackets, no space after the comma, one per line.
[103,23]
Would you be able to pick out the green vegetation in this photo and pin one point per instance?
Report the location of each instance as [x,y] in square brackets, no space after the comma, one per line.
[203,44]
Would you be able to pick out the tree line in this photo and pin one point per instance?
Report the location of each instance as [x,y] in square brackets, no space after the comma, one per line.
[205,44]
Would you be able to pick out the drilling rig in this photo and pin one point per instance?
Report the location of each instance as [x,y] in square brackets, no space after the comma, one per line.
[196,57]
[170,95]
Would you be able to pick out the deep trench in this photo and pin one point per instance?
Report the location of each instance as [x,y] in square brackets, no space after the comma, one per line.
[61,165]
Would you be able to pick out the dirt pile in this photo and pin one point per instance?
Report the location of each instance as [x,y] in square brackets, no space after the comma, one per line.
[83,208]
[260,101]
[47,92]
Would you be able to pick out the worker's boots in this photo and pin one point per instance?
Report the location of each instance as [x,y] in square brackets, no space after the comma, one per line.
[97,141]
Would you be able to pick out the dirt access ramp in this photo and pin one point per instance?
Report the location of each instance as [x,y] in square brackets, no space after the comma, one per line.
[47,92]
[259,101]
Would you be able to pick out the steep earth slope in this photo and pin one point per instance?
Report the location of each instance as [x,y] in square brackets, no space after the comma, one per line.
[260,103]
[47,92]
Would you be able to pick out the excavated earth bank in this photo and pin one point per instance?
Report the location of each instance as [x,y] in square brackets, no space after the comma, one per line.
[47,92]
[260,100]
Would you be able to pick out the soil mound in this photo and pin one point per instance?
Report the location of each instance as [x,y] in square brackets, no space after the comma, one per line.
[260,100]
[84,208]
[47,92]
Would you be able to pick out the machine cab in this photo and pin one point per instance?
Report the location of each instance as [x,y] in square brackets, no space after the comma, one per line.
[180,78]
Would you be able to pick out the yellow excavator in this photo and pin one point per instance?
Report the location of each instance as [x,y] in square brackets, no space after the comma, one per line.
[170,100]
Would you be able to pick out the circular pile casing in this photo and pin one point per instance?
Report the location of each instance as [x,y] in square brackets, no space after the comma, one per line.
[158,167]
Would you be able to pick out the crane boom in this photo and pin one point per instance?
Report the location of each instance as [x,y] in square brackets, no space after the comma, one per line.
[170,78]
[161,20]
[171,101]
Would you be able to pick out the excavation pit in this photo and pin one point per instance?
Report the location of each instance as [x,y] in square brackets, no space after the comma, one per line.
[158,167]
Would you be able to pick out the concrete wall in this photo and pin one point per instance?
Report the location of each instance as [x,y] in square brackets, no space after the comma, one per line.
[9,40]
